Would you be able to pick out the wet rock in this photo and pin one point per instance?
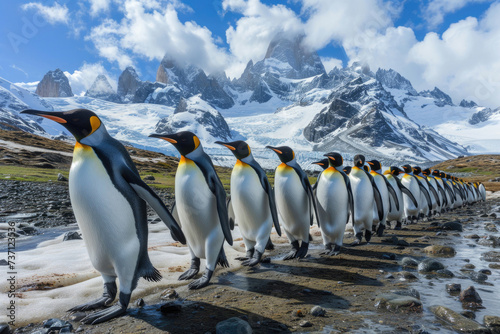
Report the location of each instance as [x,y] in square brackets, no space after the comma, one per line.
[469,266]
[390,256]
[396,302]
[140,302]
[149,178]
[472,236]
[453,287]
[61,178]
[29,230]
[457,321]
[318,311]
[392,240]
[305,323]
[71,236]
[489,240]
[445,273]
[65,330]
[494,266]
[439,250]
[452,226]
[485,271]
[491,228]
[57,324]
[408,262]
[169,294]
[4,328]
[478,277]
[233,326]
[470,297]
[388,276]
[171,307]
[492,322]
[430,265]
[468,314]
[493,215]
[3,262]
[407,275]
[491,256]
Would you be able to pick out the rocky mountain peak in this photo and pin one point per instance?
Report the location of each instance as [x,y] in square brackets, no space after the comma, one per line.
[468,104]
[441,98]
[101,89]
[392,79]
[128,83]
[54,84]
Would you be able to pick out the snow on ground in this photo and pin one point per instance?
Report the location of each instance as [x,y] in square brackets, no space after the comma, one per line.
[65,269]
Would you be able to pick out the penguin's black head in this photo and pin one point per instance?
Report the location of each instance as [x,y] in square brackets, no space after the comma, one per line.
[407,168]
[359,160]
[448,176]
[335,158]
[239,148]
[322,163]
[426,172]
[395,170]
[417,170]
[80,122]
[185,142]
[374,164]
[347,170]
[436,172]
[285,153]
[442,175]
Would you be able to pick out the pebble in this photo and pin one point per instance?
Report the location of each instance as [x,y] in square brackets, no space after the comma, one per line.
[453,226]
[492,322]
[169,294]
[472,236]
[445,273]
[298,313]
[470,296]
[305,323]
[62,178]
[389,276]
[485,271]
[453,287]
[72,236]
[491,256]
[407,275]
[429,265]
[318,311]
[409,262]
[457,321]
[440,250]
[494,265]
[233,326]
[140,302]
[3,262]
[478,277]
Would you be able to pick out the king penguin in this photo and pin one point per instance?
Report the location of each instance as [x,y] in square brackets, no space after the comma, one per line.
[200,201]
[252,200]
[365,193]
[394,214]
[434,197]
[295,201]
[109,201]
[441,196]
[386,191]
[412,212]
[335,201]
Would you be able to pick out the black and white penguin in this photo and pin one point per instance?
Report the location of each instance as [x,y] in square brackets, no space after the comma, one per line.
[252,201]
[109,201]
[335,201]
[419,192]
[392,175]
[433,195]
[200,201]
[294,200]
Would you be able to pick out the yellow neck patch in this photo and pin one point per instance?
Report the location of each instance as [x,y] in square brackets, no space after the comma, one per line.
[95,123]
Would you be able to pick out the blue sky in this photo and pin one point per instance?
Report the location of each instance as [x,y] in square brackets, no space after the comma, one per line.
[444,43]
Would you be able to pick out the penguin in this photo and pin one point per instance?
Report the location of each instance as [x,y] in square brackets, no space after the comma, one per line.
[109,202]
[201,207]
[253,202]
[419,192]
[397,213]
[347,170]
[386,191]
[441,196]
[365,193]
[482,191]
[295,201]
[433,196]
[334,202]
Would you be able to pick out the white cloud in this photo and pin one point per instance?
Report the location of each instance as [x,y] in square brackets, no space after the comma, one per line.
[14,66]
[97,6]
[81,80]
[53,15]
[331,63]
[437,9]
[149,30]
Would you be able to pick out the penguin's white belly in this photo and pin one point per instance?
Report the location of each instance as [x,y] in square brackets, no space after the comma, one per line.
[362,192]
[394,213]
[333,205]
[292,203]
[384,194]
[412,185]
[250,203]
[197,208]
[103,214]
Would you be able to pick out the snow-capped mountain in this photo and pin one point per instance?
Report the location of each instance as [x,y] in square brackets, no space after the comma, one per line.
[287,98]
[54,84]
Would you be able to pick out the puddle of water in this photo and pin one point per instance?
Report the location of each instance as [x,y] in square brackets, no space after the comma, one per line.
[30,242]
[20,216]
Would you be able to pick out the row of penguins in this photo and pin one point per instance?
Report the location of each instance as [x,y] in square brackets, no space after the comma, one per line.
[109,202]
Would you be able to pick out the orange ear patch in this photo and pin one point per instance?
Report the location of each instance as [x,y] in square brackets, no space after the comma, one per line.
[196,142]
[95,123]
[54,118]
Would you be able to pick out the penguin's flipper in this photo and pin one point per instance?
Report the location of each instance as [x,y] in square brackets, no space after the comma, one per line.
[392,192]
[406,191]
[307,187]
[349,195]
[215,185]
[230,212]
[443,194]
[270,193]
[433,191]
[424,191]
[148,195]
[450,192]
[376,196]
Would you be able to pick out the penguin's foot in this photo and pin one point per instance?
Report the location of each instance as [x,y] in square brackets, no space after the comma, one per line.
[328,249]
[359,237]
[108,296]
[202,281]
[398,226]
[335,251]
[368,235]
[247,256]
[380,230]
[388,224]
[257,256]
[304,247]
[105,315]
[293,253]
[191,272]
[269,245]
[374,228]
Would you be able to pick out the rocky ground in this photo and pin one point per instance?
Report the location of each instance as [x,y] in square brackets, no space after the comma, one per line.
[385,286]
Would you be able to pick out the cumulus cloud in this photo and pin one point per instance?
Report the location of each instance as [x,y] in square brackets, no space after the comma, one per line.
[149,30]
[53,15]
[81,80]
[330,63]
[437,9]
[97,6]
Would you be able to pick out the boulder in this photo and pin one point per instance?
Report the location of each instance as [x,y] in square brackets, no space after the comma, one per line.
[457,321]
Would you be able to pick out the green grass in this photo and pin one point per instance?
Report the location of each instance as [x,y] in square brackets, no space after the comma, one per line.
[21,173]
